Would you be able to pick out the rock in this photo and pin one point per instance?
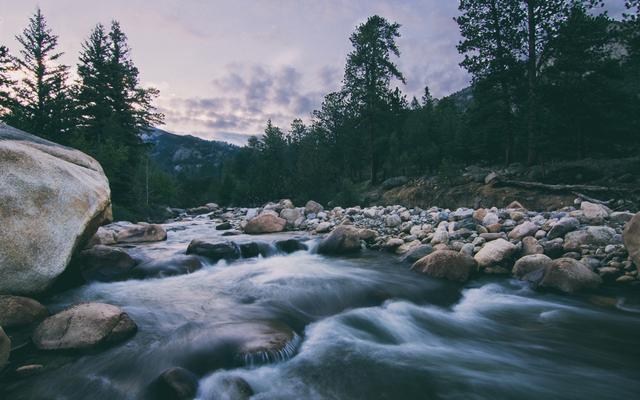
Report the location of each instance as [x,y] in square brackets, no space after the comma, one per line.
[16,311]
[562,227]
[490,219]
[290,245]
[394,182]
[255,249]
[236,388]
[393,243]
[323,227]
[343,239]
[493,236]
[84,326]
[218,250]
[286,204]
[529,264]
[479,214]
[172,266]
[51,204]
[368,235]
[553,248]
[265,223]
[176,384]
[290,215]
[515,205]
[495,252]
[570,276]
[406,247]
[105,263]
[440,236]
[251,213]
[446,264]
[140,233]
[416,253]
[594,214]
[102,236]
[593,235]
[621,217]
[312,207]
[5,348]
[531,246]
[631,238]
[526,228]
[625,279]
[393,220]
[224,226]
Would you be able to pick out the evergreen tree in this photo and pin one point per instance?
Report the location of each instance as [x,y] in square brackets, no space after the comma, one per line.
[490,44]
[367,78]
[6,82]
[42,99]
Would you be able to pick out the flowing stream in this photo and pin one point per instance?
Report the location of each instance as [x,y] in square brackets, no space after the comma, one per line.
[366,328]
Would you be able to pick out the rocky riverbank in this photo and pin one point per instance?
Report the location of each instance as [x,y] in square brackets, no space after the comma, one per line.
[492,240]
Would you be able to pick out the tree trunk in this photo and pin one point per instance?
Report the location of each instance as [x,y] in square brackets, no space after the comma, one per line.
[531,66]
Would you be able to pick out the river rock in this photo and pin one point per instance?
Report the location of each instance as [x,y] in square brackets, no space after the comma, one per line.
[408,246]
[51,203]
[447,264]
[176,384]
[323,227]
[368,235]
[529,264]
[290,215]
[526,228]
[105,263]
[417,253]
[495,252]
[84,326]
[312,207]
[393,220]
[139,233]
[440,236]
[102,236]
[593,235]
[236,388]
[531,246]
[265,223]
[343,239]
[290,245]
[218,250]
[172,266]
[631,238]
[562,227]
[570,276]
[16,311]
[224,226]
[594,214]
[5,348]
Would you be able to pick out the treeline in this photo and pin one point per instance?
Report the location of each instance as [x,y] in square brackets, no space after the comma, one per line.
[101,113]
[552,80]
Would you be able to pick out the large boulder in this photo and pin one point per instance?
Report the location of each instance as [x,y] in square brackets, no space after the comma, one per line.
[343,239]
[631,238]
[5,348]
[105,263]
[594,214]
[447,264]
[52,200]
[265,223]
[17,311]
[215,251]
[84,326]
[495,252]
[592,236]
[569,276]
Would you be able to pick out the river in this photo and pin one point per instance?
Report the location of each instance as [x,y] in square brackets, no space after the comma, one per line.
[366,328]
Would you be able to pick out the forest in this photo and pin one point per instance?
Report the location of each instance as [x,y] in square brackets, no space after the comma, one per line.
[552,80]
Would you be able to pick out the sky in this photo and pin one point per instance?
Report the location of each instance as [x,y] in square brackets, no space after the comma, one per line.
[224,67]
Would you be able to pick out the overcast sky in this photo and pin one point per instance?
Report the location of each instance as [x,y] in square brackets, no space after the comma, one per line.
[224,67]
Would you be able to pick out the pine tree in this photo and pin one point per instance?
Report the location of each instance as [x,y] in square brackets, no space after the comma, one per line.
[42,96]
[490,45]
[368,74]
[7,84]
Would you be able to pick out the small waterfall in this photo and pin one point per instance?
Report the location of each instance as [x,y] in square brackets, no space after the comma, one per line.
[270,356]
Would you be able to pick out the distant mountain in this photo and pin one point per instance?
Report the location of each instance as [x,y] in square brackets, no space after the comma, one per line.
[187,154]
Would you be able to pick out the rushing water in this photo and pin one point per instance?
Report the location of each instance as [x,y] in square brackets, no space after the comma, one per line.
[367,329]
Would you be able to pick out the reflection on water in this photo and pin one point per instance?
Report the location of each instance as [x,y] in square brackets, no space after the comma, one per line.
[365,328]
